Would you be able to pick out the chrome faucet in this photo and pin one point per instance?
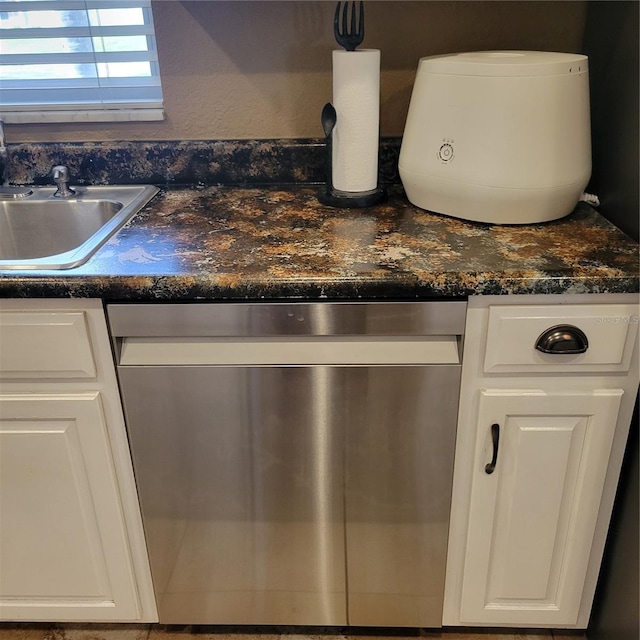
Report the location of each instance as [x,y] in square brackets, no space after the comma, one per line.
[61,178]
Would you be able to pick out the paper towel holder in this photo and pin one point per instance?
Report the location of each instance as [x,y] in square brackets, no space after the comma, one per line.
[328,194]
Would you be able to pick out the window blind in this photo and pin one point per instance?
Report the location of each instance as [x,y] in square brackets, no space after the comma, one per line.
[78,60]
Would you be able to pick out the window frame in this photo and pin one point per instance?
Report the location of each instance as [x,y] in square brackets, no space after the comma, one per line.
[102,99]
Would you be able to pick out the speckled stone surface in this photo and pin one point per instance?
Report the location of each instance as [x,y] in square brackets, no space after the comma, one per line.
[220,243]
[229,162]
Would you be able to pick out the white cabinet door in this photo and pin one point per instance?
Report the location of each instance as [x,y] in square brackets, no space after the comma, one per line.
[63,545]
[532,520]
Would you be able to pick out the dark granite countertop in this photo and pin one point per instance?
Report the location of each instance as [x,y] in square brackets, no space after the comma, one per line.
[281,243]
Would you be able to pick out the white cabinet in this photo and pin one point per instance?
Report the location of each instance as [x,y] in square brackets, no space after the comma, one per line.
[532,519]
[526,537]
[71,542]
[63,544]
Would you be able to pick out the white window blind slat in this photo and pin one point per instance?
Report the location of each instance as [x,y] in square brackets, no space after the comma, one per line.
[79,83]
[71,5]
[88,55]
[78,58]
[75,32]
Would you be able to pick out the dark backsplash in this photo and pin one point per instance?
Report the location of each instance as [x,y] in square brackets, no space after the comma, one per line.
[227,162]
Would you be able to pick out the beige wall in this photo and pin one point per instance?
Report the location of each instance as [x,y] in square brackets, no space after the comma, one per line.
[263,69]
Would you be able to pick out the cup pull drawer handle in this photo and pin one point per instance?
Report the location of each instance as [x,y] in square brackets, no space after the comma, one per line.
[495,439]
[563,339]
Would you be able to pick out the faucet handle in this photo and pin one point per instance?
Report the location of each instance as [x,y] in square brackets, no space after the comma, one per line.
[60,175]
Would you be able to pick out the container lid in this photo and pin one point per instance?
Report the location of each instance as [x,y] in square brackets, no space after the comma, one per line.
[505,63]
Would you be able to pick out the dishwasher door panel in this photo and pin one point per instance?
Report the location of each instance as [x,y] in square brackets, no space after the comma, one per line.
[400,440]
[240,475]
[259,485]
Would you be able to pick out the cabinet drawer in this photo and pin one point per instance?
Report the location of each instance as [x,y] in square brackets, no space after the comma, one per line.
[45,344]
[513,331]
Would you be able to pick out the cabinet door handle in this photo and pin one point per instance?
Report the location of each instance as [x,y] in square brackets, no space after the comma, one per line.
[495,439]
[563,339]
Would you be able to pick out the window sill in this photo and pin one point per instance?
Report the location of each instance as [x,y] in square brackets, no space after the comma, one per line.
[77,115]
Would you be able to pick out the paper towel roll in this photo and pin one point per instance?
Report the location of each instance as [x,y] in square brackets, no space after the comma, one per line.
[356,98]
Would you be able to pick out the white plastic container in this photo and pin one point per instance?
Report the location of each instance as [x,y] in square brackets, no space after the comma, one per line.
[498,136]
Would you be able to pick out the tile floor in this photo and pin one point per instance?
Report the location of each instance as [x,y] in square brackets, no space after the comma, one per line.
[161,632]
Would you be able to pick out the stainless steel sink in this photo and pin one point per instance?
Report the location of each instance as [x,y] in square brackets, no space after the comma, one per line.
[39,231]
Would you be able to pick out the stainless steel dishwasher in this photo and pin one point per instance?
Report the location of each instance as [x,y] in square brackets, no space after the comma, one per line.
[294,461]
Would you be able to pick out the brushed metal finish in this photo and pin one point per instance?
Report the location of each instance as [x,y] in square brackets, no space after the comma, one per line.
[40,229]
[302,494]
[288,319]
[241,473]
[303,351]
[400,438]
[40,232]
[240,477]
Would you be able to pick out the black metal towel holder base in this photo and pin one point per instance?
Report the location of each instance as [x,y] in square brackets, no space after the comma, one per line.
[346,199]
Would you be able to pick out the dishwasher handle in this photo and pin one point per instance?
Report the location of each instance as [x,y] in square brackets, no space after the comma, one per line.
[313,350]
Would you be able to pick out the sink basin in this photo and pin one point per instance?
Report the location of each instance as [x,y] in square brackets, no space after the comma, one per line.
[39,231]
